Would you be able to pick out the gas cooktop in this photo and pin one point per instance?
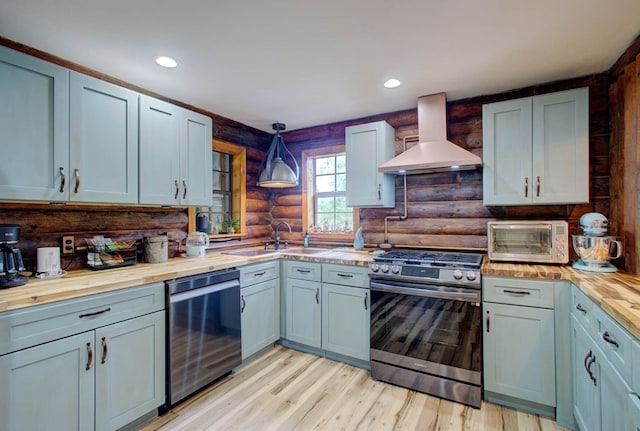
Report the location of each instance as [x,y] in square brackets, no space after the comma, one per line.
[428,267]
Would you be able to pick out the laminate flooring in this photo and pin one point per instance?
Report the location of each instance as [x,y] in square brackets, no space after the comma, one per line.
[290,390]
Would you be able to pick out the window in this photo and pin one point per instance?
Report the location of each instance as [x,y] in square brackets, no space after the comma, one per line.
[325,208]
[227,213]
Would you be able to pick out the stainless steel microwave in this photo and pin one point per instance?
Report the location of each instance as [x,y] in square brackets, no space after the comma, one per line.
[528,241]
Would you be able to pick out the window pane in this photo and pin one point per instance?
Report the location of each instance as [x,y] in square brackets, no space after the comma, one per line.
[341,163]
[341,182]
[325,205]
[220,203]
[345,221]
[221,161]
[325,221]
[341,204]
[325,183]
[221,181]
[325,165]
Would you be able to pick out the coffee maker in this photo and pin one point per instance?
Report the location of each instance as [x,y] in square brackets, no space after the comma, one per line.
[10,257]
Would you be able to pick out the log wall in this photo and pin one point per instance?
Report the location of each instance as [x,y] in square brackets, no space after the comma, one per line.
[445,209]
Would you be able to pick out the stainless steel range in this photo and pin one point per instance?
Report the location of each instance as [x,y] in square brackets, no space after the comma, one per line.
[426,328]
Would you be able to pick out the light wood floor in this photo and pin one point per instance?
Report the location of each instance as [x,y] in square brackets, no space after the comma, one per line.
[290,390]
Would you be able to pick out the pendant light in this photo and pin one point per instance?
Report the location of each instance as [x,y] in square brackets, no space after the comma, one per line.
[274,171]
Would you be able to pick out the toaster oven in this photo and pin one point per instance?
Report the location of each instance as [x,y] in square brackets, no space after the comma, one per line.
[528,241]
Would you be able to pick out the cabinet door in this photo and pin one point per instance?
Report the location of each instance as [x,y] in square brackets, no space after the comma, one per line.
[561,147]
[195,159]
[130,370]
[634,412]
[104,142]
[614,394]
[345,320]
[507,152]
[303,312]
[159,165]
[586,393]
[367,147]
[260,307]
[519,352]
[34,128]
[48,387]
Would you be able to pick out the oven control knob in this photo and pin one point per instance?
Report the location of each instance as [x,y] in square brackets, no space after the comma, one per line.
[457,274]
[395,269]
[471,275]
[375,267]
[384,267]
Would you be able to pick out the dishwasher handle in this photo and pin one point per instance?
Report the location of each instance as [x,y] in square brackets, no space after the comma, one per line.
[184,296]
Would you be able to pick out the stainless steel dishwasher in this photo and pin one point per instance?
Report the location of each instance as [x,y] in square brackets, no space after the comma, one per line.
[203,331]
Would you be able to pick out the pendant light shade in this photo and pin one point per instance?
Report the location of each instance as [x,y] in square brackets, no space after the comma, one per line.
[274,170]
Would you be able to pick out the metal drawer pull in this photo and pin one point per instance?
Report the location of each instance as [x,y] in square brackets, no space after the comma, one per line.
[303,271]
[89,356]
[259,274]
[517,292]
[580,308]
[105,350]
[95,313]
[317,296]
[606,337]
[244,303]
[63,179]
[488,322]
[366,296]
[379,192]
[77,173]
[345,275]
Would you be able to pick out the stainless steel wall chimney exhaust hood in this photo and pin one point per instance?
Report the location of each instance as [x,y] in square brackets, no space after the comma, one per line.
[434,153]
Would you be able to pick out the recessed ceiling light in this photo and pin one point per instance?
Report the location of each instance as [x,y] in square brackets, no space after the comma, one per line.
[166,62]
[392,83]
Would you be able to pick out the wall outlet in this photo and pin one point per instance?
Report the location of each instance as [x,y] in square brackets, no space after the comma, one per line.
[68,245]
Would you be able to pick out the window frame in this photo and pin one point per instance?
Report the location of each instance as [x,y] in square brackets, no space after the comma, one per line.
[308,193]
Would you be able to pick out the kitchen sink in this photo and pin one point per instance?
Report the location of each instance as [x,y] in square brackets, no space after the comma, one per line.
[249,252]
[301,250]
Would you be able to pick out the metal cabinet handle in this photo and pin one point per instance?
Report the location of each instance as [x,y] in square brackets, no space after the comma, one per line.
[105,350]
[366,296]
[184,184]
[526,187]
[580,308]
[259,274]
[317,296]
[175,196]
[584,362]
[77,174]
[244,303]
[537,187]
[606,337]
[345,275]
[89,356]
[303,271]
[488,322]
[517,292]
[95,313]
[379,191]
[589,364]
[63,179]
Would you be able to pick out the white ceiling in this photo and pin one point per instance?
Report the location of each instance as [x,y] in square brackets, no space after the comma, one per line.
[307,63]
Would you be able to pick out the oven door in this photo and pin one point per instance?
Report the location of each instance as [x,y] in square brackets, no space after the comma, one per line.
[429,329]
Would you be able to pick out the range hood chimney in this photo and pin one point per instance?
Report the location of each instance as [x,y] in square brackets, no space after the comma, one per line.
[434,153]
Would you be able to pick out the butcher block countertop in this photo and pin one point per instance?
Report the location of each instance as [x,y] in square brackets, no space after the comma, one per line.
[616,293]
[86,282]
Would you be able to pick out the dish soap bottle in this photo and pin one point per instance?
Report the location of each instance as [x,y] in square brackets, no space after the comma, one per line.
[306,239]
[358,242]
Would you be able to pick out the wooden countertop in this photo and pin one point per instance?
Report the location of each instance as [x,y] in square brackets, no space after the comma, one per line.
[86,282]
[616,293]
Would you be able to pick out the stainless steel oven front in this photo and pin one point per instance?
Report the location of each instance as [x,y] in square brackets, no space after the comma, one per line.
[428,337]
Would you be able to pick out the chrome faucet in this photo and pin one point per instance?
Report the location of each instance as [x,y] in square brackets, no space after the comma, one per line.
[277,243]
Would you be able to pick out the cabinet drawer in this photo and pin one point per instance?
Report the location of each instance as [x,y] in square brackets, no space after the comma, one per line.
[530,293]
[615,342]
[259,272]
[303,270]
[35,325]
[347,275]
[583,309]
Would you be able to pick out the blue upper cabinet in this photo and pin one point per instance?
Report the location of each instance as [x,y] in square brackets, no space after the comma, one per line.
[104,142]
[536,149]
[34,128]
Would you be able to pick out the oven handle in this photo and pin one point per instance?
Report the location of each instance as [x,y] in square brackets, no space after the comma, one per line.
[426,292]
[201,291]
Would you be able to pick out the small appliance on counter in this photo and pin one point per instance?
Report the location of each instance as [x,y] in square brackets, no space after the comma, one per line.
[48,263]
[196,244]
[11,258]
[595,248]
